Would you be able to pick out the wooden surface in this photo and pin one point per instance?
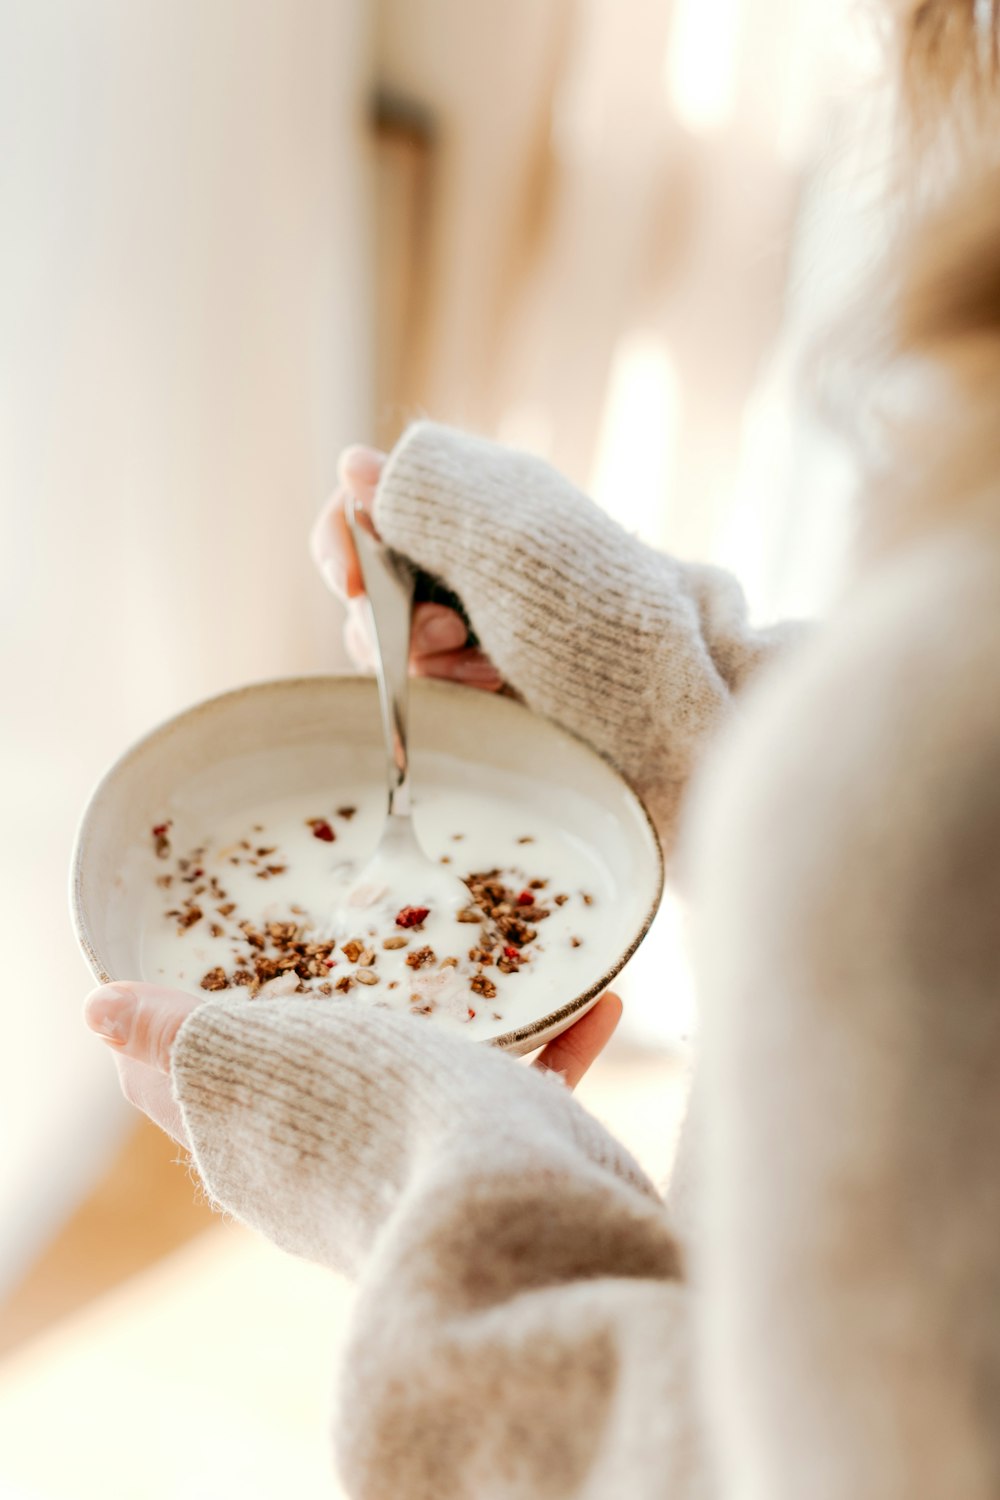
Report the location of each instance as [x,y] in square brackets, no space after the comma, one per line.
[144,1206]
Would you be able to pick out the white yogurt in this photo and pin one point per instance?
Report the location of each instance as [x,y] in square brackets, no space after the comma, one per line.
[467,832]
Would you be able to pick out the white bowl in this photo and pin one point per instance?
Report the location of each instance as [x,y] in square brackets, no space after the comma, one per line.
[300,735]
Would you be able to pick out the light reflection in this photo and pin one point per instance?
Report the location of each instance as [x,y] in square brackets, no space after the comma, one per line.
[637,444]
[699,68]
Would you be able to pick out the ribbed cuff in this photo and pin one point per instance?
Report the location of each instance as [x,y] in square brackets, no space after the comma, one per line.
[307,1118]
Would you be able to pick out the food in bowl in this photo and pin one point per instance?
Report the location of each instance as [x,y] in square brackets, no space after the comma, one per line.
[244,908]
[296,768]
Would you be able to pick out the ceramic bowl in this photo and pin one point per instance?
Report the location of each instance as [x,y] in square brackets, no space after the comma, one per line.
[232,752]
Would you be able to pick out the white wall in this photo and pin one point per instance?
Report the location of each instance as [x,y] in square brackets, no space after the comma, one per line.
[184,346]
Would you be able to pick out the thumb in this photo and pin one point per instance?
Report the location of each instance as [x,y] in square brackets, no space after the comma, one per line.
[140,1021]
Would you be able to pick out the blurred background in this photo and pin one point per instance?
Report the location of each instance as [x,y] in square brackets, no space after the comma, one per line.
[234,236]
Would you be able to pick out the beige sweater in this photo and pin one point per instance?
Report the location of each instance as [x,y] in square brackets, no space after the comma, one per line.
[525,1325]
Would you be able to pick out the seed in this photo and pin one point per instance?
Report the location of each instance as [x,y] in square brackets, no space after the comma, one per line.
[366,976]
[396,941]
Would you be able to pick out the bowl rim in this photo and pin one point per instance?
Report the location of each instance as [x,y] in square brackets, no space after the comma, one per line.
[521,1038]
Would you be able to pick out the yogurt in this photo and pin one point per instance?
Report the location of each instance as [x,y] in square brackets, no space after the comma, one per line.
[243,909]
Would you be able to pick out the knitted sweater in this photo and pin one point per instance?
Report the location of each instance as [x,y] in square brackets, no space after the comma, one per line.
[525,1325]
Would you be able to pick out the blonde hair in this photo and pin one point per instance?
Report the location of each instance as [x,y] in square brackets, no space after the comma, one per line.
[945,264]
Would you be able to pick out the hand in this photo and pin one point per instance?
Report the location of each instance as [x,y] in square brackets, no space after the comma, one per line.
[437,646]
[139,1022]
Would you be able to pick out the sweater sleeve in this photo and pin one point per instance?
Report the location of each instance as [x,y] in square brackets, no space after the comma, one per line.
[636,652]
[522,1326]
[850,989]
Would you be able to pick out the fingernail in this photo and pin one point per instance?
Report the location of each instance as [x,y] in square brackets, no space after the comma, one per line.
[478,671]
[445,632]
[362,464]
[109,1012]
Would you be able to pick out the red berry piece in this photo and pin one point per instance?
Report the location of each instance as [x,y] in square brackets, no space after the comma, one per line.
[322,830]
[511,952]
[526,898]
[412,916]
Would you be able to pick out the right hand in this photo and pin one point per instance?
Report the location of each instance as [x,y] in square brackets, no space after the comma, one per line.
[438,640]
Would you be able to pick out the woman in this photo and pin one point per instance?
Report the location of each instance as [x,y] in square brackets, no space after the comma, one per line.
[532,1320]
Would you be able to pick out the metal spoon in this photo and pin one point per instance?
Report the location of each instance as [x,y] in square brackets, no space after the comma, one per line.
[399,863]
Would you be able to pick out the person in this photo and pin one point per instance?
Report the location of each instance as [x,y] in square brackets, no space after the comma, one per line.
[815,1309]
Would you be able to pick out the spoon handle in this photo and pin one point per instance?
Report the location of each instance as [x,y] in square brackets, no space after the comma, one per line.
[389,583]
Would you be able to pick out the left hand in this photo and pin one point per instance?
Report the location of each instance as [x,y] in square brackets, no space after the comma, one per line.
[139,1022]
[438,641]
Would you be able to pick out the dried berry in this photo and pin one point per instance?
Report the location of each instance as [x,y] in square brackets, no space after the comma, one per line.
[321,830]
[412,916]
[526,898]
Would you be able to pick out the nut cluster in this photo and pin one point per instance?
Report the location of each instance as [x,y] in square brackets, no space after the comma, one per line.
[284,957]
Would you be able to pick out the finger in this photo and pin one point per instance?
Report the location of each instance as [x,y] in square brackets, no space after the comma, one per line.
[470,667]
[333,550]
[359,468]
[572,1053]
[139,1020]
[437,628]
[150,1090]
